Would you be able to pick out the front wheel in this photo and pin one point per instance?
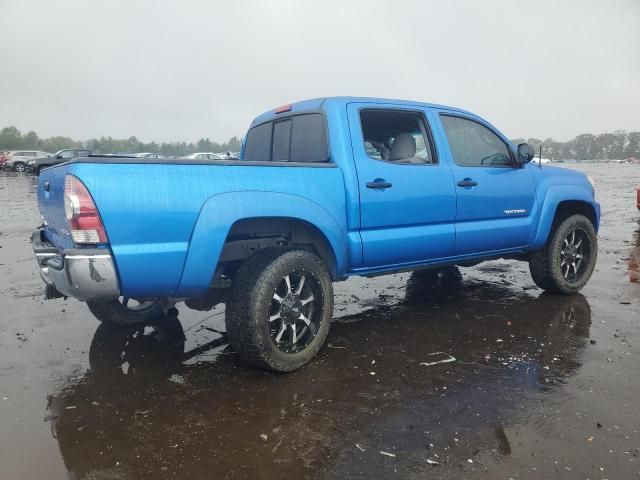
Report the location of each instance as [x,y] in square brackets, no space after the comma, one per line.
[566,262]
[126,311]
[280,309]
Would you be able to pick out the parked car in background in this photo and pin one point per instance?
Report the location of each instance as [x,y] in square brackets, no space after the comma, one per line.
[638,198]
[17,160]
[305,205]
[147,155]
[204,156]
[541,161]
[3,158]
[37,164]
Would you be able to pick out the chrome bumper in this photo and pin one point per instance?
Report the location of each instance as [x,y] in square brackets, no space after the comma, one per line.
[85,274]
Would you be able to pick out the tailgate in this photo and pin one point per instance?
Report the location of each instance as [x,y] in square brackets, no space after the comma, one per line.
[51,205]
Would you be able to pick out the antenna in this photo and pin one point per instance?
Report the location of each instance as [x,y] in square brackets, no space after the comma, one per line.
[540,161]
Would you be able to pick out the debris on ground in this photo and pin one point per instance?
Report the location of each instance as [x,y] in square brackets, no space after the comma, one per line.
[448,358]
[175,378]
[387,454]
[264,437]
[360,448]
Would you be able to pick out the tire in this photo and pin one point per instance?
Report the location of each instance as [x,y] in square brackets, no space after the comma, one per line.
[558,271]
[118,312]
[262,319]
[19,167]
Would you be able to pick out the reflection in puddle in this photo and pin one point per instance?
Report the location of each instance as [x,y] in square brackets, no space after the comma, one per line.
[149,407]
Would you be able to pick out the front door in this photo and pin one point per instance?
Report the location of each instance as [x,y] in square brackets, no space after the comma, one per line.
[495,196]
[407,196]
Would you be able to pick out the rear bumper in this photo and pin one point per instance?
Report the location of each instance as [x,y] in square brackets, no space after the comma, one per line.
[85,274]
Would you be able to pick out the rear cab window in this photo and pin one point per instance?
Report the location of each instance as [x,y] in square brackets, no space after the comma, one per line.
[296,138]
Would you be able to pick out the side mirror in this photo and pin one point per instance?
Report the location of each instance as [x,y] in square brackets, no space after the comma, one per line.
[59,157]
[525,153]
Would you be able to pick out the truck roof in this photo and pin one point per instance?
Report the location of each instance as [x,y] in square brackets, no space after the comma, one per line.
[318,103]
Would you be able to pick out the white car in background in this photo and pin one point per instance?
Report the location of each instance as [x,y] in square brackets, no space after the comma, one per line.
[148,155]
[540,161]
[16,160]
[204,156]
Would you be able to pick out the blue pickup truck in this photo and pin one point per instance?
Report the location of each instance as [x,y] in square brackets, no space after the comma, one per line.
[324,189]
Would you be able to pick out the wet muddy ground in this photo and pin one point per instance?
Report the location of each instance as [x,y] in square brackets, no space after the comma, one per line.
[542,386]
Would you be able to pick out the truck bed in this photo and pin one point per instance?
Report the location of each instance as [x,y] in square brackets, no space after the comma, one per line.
[150,210]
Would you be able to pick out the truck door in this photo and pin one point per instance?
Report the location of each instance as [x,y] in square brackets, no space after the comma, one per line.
[495,197]
[407,196]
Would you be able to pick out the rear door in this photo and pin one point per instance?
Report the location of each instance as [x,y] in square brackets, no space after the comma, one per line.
[495,197]
[407,195]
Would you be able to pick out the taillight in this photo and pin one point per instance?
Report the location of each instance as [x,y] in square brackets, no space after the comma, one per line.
[82,215]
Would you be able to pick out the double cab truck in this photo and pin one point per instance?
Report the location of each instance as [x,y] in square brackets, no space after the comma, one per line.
[324,189]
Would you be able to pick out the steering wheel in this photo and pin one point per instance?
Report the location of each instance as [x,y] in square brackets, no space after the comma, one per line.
[494,156]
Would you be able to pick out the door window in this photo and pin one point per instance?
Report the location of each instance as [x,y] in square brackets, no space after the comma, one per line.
[397,136]
[474,145]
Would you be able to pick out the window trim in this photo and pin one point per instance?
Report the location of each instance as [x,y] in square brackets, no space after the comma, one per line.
[482,124]
[424,127]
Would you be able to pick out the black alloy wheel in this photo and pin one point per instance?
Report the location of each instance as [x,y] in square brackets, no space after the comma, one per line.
[293,317]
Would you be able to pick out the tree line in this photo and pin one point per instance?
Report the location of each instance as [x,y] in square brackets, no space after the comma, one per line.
[613,146]
[619,145]
[13,139]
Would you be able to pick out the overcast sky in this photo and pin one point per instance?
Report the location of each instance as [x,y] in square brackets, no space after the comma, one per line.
[182,70]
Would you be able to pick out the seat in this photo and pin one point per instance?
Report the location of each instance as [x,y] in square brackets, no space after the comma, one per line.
[404,149]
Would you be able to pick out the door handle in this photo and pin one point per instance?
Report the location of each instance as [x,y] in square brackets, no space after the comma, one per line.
[467,182]
[379,183]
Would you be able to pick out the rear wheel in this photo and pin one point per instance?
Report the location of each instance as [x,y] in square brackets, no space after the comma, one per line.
[126,311]
[566,262]
[280,309]
[19,167]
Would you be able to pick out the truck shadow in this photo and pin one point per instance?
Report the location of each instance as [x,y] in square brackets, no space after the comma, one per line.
[152,408]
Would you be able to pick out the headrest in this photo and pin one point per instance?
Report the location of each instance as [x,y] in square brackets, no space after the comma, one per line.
[404,146]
